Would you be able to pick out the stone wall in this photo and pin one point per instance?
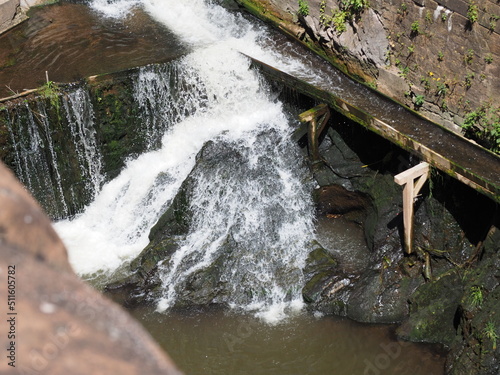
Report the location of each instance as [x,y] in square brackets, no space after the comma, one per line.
[13,12]
[8,14]
[433,56]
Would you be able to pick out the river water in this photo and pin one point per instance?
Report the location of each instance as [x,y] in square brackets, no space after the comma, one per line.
[260,198]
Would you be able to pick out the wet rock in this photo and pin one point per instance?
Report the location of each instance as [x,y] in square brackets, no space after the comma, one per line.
[433,309]
[477,320]
[334,199]
[62,325]
[325,282]
[143,283]
[381,296]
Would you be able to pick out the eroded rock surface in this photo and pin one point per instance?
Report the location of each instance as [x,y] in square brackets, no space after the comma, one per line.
[61,325]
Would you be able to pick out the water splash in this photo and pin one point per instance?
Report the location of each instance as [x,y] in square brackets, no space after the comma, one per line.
[259,200]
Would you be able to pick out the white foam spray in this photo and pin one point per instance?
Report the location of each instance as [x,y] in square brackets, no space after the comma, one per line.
[268,213]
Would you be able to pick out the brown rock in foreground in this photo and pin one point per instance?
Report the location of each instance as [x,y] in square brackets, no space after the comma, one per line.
[50,321]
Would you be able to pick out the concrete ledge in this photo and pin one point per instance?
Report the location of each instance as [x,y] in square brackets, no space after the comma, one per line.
[10,14]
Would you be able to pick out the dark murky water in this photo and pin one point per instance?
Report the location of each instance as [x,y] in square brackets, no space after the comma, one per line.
[70,42]
[219,343]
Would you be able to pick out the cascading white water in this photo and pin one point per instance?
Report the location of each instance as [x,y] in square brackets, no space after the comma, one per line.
[35,167]
[80,116]
[262,203]
[166,94]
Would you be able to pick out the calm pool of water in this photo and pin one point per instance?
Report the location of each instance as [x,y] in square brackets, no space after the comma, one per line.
[71,41]
[219,342]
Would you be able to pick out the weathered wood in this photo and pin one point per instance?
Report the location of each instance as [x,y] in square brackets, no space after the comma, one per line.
[481,171]
[19,95]
[317,118]
[411,189]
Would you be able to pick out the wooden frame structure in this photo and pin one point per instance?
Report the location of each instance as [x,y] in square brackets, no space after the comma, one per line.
[317,118]
[412,179]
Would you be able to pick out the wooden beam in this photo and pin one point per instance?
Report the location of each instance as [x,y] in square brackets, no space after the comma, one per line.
[317,118]
[412,179]
[481,172]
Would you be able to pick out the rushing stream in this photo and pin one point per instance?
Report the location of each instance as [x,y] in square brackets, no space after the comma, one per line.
[258,198]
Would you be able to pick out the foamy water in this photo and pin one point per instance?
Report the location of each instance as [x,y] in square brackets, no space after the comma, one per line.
[268,215]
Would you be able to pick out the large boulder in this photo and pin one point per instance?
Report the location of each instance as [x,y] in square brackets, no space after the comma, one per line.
[56,323]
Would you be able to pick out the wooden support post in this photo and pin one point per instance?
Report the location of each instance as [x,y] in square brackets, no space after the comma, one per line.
[317,118]
[411,188]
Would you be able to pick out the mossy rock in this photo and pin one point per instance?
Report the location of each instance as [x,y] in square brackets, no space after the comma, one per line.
[433,309]
[320,272]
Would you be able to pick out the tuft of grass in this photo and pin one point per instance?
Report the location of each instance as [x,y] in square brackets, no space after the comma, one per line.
[491,334]
[476,296]
[50,91]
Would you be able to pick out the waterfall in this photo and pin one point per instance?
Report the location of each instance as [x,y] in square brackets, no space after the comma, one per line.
[80,117]
[166,94]
[43,157]
[36,161]
[259,198]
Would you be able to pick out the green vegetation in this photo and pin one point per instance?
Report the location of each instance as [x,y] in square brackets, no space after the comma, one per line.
[442,89]
[348,10]
[493,22]
[488,59]
[428,16]
[426,83]
[476,296]
[415,28]
[472,12]
[491,334]
[419,100]
[468,79]
[303,8]
[403,9]
[50,91]
[469,55]
[339,21]
[440,56]
[483,124]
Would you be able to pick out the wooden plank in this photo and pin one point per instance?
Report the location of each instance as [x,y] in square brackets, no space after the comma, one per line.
[317,118]
[412,173]
[487,183]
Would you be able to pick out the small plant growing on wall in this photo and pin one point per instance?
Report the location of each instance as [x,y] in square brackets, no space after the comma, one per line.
[468,57]
[403,9]
[442,89]
[476,296]
[483,125]
[348,10]
[50,91]
[303,8]
[415,28]
[491,334]
[419,101]
[472,13]
[493,22]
